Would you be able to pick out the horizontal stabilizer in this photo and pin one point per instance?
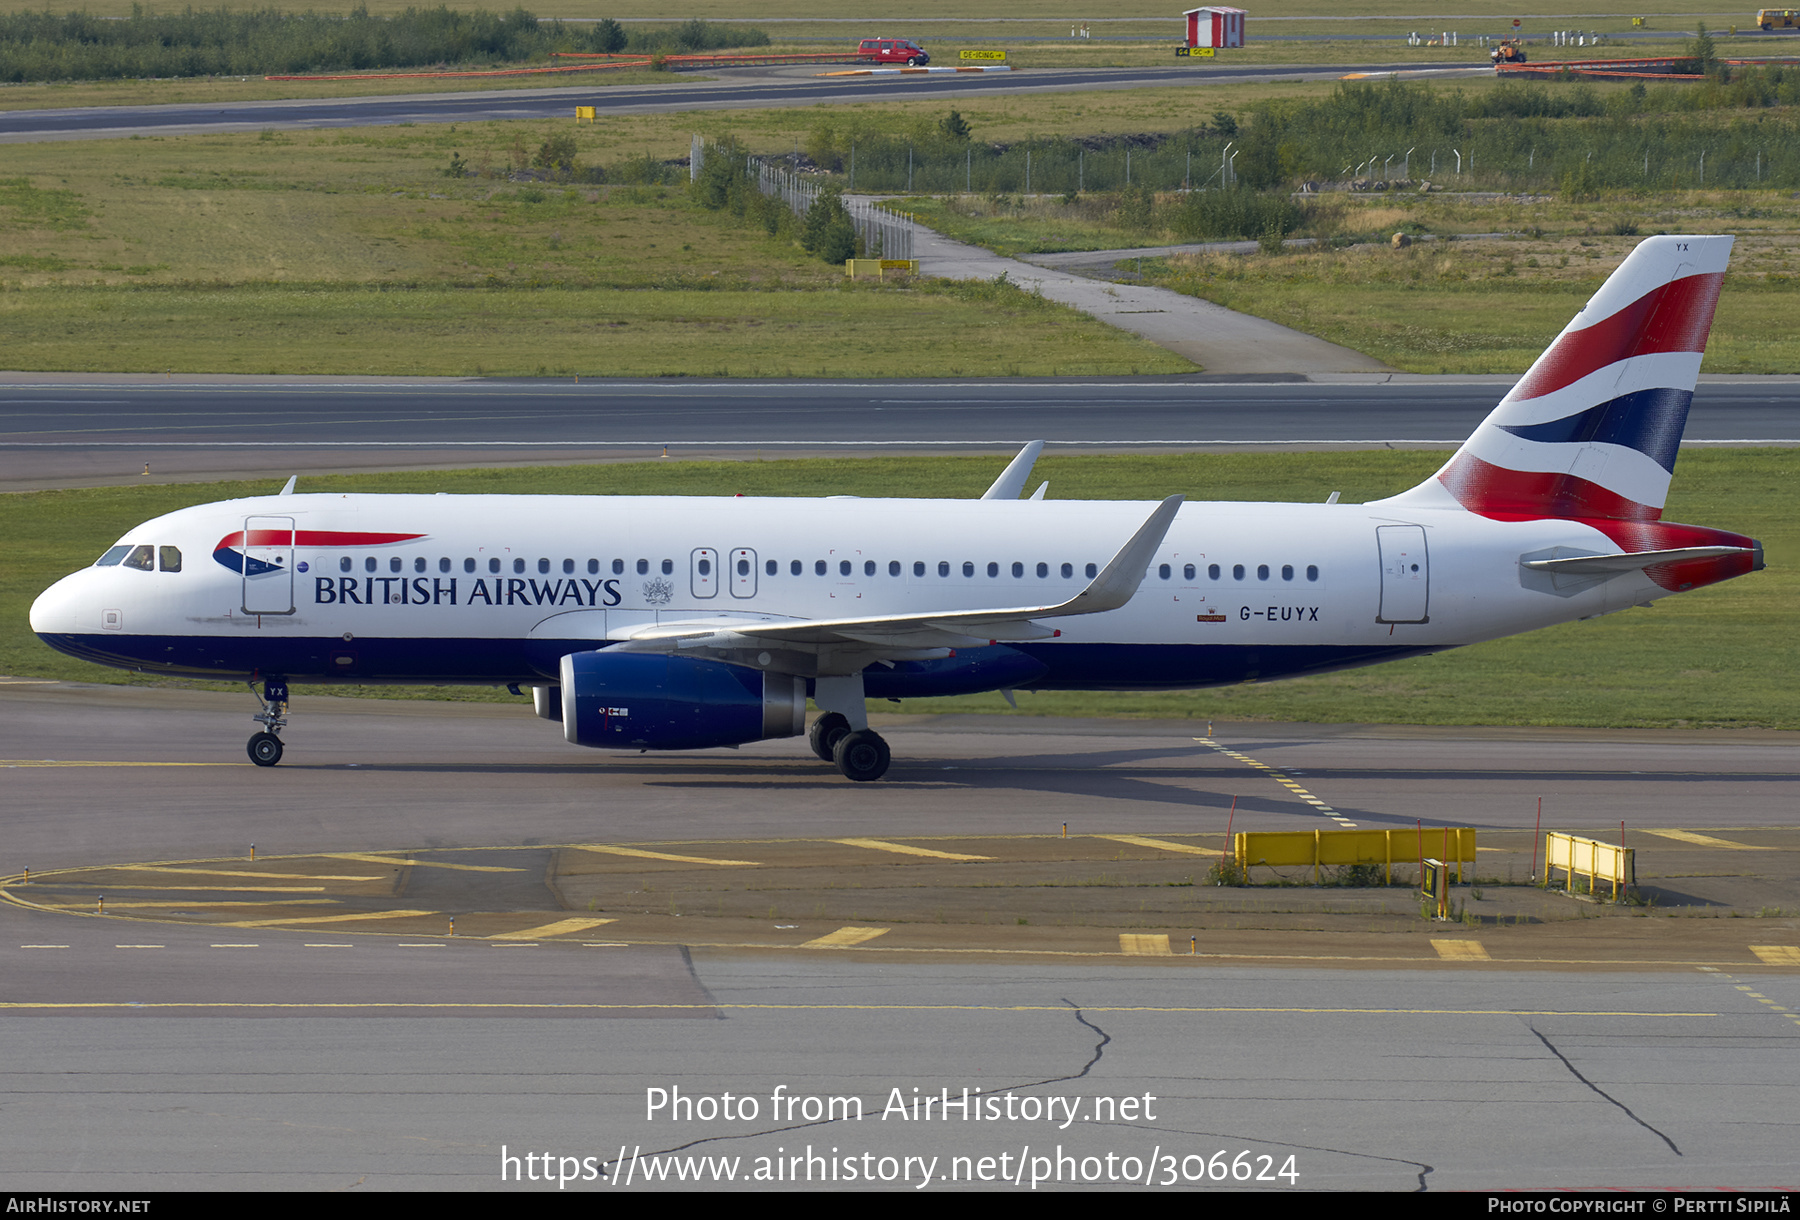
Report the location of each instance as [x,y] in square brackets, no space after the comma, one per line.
[1628,561]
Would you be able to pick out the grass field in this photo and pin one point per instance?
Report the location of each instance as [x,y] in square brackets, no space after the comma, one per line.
[352,252]
[1721,656]
[1467,306]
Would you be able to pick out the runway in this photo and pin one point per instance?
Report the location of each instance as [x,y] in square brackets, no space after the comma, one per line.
[731,89]
[168,1053]
[71,431]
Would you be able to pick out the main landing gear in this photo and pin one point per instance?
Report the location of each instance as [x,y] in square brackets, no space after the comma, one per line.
[264,748]
[859,754]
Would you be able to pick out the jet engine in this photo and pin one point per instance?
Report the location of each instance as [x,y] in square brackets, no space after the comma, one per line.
[649,701]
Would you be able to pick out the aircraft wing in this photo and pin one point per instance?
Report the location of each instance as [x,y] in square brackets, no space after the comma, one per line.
[1112,588]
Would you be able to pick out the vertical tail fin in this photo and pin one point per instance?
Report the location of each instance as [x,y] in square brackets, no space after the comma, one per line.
[1592,429]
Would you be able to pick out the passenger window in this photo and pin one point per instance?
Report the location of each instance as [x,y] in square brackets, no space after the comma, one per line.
[519,566]
[393,563]
[1162,571]
[893,567]
[771,567]
[1237,571]
[643,567]
[369,563]
[618,567]
[568,567]
[704,567]
[818,567]
[943,567]
[1312,572]
[1068,570]
[1262,571]
[843,567]
[141,557]
[1287,571]
[668,567]
[968,568]
[993,568]
[469,565]
[593,567]
[444,564]
[1212,571]
[1018,569]
[918,567]
[1043,570]
[868,567]
[494,565]
[419,564]
[1187,571]
[543,567]
[169,558]
[1093,570]
[743,567]
[112,557]
[796,567]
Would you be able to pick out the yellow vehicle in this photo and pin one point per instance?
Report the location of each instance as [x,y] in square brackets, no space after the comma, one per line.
[1778,18]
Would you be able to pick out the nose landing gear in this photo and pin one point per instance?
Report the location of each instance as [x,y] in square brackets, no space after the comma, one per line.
[264,748]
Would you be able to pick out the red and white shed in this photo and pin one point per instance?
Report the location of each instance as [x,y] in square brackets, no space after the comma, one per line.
[1215,27]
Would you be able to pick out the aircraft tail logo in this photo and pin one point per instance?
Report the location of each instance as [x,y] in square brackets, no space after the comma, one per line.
[1593,428]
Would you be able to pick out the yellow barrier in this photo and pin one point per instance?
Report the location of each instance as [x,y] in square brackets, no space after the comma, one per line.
[1592,858]
[1275,848]
[585,112]
[859,268]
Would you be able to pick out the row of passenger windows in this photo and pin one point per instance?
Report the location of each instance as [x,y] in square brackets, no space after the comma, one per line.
[797,567]
[143,557]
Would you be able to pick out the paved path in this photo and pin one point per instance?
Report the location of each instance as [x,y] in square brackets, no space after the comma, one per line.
[1213,337]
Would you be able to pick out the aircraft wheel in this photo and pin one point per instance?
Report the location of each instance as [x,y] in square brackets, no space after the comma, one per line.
[264,749]
[861,756]
[824,735]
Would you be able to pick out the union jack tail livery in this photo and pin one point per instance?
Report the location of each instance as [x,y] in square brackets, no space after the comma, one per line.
[1592,430]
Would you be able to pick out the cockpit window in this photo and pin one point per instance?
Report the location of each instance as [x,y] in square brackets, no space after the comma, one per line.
[142,557]
[168,558]
[112,556]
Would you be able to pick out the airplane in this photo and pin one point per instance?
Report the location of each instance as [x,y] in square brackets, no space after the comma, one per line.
[675,623]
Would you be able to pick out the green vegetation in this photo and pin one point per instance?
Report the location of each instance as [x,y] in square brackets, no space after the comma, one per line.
[39,46]
[354,252]
[1718,657]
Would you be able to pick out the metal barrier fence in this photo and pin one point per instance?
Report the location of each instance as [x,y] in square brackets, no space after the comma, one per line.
[1595,860]
[884,232]
[1340,847]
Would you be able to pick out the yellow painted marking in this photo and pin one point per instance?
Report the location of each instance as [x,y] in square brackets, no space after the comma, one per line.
[561,927]
[1777,955]
[188,906]
[1144,944]
[844,937]
[1161,844]
[210,889]
[225,872]
[907,850]
[51,762]
[639,854]
[276,923]
[1688,836]
[1461,950]
[410,863]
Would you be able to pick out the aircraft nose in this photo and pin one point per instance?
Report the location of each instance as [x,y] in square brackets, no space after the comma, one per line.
[57,610]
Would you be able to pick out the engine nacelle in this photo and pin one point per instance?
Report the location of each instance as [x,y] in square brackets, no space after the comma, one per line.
[649,701]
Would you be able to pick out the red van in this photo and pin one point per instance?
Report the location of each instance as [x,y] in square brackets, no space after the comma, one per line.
[893,51]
